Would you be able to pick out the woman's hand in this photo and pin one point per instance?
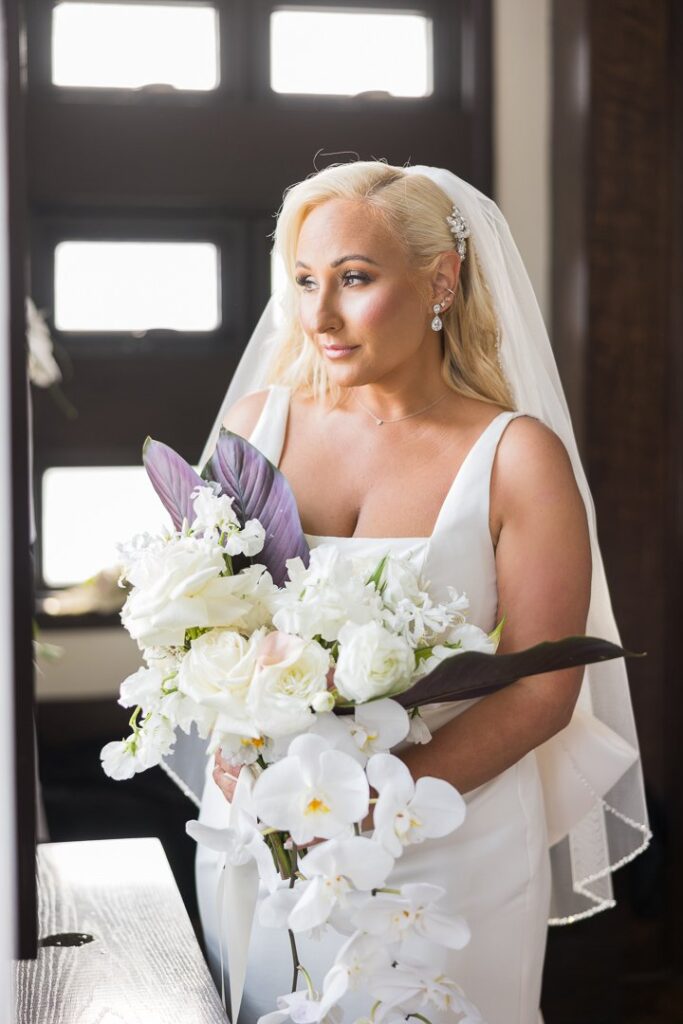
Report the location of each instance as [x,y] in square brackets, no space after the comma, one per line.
[225,775]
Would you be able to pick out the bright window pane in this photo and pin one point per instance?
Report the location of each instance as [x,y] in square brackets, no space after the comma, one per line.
[87,511]
[346,53]
[128,46]
[136,286]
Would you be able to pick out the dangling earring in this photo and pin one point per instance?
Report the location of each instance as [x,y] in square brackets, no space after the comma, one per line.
[437,323]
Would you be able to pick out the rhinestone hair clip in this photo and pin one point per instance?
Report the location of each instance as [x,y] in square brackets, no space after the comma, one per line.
[460,229]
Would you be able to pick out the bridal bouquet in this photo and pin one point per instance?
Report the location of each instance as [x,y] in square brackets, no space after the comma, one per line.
[309,667]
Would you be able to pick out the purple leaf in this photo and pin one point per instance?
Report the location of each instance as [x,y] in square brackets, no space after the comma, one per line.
[172,478]
[475,674]
[260,491]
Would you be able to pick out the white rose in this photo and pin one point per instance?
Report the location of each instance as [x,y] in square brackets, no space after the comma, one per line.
[178,585]
[217,672]
[290,672]
[372,662]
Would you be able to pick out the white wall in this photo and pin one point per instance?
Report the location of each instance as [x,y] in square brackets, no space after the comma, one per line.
[522,106]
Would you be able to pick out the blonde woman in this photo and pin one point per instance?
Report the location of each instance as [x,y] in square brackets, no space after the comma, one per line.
[409,394]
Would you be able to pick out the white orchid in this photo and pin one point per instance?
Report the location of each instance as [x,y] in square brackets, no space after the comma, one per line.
[313,791]
[372,662]
[334,870]
[407,811]
[306,1007]
[419,730]
[396,917]
[243,840]
[378,725]
[416,988]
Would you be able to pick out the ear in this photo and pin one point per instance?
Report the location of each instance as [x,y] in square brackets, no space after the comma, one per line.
[445,276]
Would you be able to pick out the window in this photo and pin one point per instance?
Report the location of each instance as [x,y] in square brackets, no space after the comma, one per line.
[136,286]
[86,511]
[351,52]
[132,46]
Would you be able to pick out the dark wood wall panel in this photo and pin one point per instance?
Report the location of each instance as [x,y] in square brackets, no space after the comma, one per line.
[618,316]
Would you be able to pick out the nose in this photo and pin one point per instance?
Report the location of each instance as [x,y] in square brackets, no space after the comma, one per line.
[325,313]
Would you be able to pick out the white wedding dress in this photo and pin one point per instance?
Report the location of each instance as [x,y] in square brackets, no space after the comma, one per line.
[496,867]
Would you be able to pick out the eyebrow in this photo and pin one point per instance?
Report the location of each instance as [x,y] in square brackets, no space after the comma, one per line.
[342,259]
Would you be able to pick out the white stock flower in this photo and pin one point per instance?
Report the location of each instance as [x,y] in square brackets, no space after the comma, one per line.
[217,672]
[289,674]
[407,811]
[313,791]
[372,662]
[320,599]
[119,759]
[255,585]
[143,687]
[154,740]
[247,541]
[470,638]
[212,510]
[177,586]
[335,869]
[395,918]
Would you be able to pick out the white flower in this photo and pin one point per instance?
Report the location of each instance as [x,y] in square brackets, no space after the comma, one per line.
[154,740]
[303,1007]
[217,672]
[143,687]
[415,988]
[289,673]
[255,585]
[235,748]
[177,586]
[419,730]
[372,662]
[394,918]
[119,759]
[247,541]
[314,791]
[407,811]
[335,869]
[470,638]
[320,599]
[360,959]
[378,725]
[212,510]
[242,841]
[42,367]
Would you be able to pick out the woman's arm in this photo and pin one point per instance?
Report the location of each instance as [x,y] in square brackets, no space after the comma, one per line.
[543,569]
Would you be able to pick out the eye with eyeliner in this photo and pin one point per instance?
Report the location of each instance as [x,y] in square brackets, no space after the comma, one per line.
[349,275]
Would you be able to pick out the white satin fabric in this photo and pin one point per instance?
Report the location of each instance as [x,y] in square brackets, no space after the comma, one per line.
[496,867]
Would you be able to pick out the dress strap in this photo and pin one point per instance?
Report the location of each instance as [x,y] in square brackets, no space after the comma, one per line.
[269,433]
[469,496]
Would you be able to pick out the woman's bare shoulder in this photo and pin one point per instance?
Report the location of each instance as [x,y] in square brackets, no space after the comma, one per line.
[531,465]
[242,416]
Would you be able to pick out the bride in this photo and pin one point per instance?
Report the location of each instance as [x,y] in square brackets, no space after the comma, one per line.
[409,394]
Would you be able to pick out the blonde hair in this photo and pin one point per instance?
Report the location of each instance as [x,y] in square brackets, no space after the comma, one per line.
[414,209]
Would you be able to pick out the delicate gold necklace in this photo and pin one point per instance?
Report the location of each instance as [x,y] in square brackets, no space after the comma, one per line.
[379,421]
